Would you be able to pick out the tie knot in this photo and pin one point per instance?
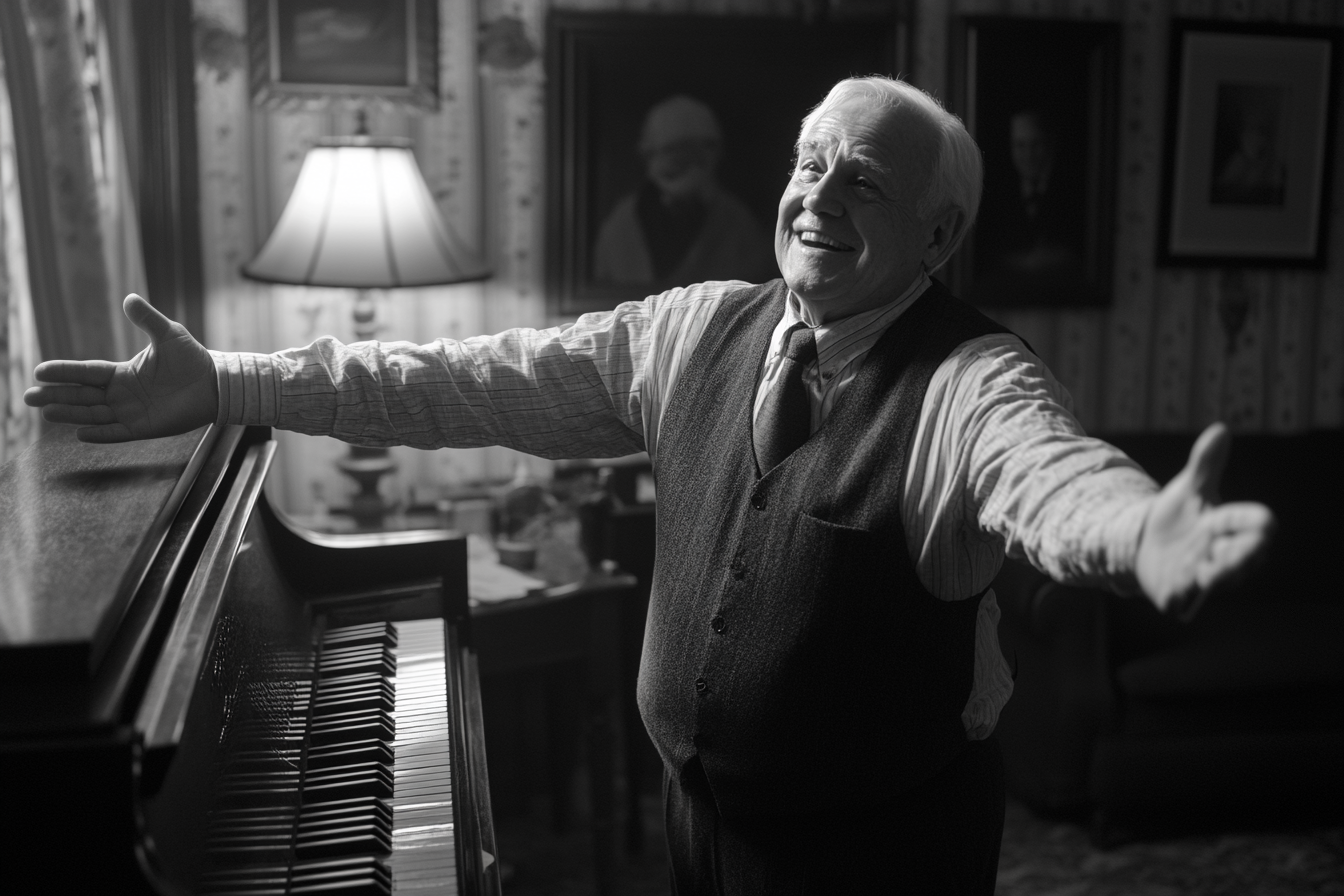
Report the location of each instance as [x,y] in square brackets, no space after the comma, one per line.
[802,344]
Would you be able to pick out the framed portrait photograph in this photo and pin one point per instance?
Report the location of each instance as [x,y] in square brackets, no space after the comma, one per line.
[1249,134]
[671,140]
[311,54]
[1040,98]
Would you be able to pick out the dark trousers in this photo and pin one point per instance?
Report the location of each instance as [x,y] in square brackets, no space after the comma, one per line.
[939,838]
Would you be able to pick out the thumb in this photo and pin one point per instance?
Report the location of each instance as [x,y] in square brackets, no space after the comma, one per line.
[1208,459]
[147,318]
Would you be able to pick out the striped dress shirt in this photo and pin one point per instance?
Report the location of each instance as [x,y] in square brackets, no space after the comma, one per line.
[998,464]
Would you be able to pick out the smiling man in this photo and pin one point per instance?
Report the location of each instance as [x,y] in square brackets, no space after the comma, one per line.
[843,458]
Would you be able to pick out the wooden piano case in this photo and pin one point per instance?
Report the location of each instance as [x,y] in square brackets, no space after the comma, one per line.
[161,628]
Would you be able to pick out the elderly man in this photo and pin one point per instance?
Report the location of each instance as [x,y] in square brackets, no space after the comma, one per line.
[843,458]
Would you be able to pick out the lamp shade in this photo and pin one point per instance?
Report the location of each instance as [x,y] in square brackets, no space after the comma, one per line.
[361,216]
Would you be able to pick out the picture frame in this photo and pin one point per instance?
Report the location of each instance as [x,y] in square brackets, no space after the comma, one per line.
[1040,97]
[610,78]
[1249,144]
[312,55]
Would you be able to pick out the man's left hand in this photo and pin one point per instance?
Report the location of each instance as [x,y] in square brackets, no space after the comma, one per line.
[1191,543]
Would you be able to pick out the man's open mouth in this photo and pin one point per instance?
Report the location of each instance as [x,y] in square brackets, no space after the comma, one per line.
[814,240]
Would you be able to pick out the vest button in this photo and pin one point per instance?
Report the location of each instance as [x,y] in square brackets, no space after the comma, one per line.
[701,685]
[717,623]
[758,500]
[738,568]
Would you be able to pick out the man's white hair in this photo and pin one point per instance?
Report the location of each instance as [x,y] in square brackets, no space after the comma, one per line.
[957,175]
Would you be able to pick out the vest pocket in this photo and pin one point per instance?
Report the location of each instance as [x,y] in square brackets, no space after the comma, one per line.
[841,558]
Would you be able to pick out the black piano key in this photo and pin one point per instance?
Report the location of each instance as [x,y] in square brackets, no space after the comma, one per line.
[376,727]
[343,662]
[352,679]
[288,778]
[367,701]
[342,685]
[382,633]
[338,716]
[346,840]
[360,820]
[371,780]
[356,876]
[370,807]
[261,880]
[343,753]
[343,657]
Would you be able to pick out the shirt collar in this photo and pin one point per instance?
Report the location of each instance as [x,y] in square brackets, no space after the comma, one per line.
[853,333]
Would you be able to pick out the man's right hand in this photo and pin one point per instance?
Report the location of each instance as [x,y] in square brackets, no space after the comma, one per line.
[168,388]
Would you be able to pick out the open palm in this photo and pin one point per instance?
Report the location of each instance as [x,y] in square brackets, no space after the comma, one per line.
[166,389]
[1191,543]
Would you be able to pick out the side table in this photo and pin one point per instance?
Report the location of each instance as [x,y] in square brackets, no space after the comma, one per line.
[576,624]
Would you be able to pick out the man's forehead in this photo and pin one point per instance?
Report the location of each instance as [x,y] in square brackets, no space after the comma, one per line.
[879,134]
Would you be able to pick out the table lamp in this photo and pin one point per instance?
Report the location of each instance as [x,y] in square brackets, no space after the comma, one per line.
[362,217]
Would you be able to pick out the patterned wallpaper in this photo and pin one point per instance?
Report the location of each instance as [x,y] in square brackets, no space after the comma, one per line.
[1157,358]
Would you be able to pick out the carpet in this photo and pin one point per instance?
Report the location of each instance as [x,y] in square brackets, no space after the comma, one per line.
[1039,858]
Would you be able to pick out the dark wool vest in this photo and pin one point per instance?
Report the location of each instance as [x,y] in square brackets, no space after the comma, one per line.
[790,643]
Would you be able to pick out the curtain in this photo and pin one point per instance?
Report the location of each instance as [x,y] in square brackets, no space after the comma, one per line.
[18,334]
[71,216]
[62,214]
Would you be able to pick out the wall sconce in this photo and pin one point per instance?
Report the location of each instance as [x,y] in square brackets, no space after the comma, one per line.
[361,217]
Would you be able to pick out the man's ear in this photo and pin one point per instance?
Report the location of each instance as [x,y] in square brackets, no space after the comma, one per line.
[943,238]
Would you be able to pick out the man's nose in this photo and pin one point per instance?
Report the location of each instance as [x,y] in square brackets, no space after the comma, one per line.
[823,198]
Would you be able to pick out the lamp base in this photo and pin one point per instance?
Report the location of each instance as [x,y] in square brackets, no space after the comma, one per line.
[366,466]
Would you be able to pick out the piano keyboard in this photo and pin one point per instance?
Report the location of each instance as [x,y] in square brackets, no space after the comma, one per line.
[353,794]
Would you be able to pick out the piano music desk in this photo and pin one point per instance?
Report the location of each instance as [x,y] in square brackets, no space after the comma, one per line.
[552,632]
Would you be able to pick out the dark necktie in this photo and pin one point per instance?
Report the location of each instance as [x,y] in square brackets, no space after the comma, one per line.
[785,420]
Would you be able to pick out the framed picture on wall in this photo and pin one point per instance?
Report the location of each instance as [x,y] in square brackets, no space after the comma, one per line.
[671,140]
[1250,122]
[310,54]
[1040,98]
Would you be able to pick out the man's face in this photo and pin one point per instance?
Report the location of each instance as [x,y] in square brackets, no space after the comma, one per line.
[848,238]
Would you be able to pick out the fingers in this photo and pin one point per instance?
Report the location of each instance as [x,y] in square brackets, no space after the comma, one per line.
[147,318]
[1207,460]
[78,416]
[88,373]
[81,396]
[1240,535]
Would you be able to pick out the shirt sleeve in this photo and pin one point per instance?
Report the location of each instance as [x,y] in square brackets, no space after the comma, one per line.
[559,392]
[1001,465]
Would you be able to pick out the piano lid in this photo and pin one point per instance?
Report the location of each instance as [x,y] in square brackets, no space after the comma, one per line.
[79,526]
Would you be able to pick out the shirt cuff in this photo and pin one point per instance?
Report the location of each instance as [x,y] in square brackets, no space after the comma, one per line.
[249,389]
[1123,535]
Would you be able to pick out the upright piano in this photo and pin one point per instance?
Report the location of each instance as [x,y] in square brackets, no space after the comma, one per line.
[197,696]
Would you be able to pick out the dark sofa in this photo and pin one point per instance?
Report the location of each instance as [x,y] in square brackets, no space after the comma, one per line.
[1144,724]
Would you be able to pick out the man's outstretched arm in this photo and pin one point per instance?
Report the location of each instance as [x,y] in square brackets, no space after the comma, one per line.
[168,388]
[1075,507]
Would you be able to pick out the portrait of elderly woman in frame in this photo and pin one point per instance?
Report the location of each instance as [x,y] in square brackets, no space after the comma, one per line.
[680,225]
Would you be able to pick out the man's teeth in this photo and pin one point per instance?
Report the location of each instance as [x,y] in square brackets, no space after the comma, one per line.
[812,238]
